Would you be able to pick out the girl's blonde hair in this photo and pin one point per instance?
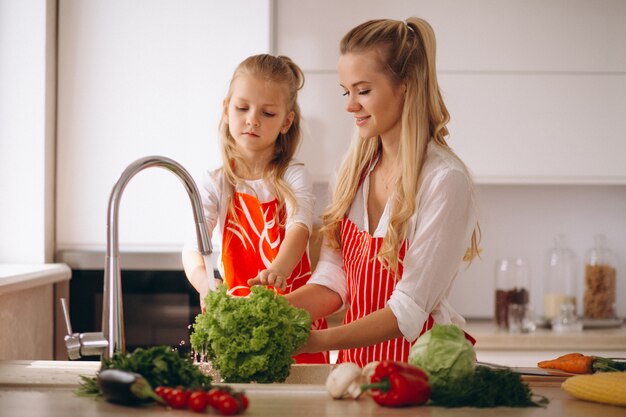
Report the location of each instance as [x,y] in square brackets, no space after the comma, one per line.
[283,72]
[406,51]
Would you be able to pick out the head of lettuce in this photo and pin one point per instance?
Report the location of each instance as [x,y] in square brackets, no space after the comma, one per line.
[250,339]
[443,353]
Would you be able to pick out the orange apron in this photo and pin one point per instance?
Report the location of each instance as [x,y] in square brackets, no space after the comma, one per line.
[370,285]
[250,243]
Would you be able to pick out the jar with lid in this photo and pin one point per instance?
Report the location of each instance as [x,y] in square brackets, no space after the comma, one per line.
[512,278]
[600,281]
[561,282]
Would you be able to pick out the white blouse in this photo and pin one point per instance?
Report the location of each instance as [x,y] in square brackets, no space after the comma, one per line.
[438,236]
[215,201]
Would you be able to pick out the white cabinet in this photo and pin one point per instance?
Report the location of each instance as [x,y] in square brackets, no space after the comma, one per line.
[536,90]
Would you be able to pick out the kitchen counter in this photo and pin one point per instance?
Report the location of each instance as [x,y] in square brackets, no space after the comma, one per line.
[526,349]
[489,337]
[29,309]
[19,277]
[27,390]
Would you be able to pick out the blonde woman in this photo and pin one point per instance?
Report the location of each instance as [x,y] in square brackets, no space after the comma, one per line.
[402,216]
[261,200]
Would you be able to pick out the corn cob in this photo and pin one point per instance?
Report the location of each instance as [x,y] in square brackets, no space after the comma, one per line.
[602,387]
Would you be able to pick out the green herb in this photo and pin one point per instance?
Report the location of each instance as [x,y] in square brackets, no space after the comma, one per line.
[159,365]
[486,387]
[601,364]
[88,387]
[250,338]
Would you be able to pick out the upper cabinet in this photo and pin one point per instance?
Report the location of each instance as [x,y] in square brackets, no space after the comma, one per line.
[536,90]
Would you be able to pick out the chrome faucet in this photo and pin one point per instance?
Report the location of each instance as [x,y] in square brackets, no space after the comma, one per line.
[111,340]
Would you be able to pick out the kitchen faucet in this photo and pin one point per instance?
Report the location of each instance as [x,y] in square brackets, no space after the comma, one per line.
[112,340]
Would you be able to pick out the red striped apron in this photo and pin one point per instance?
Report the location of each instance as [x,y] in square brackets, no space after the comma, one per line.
[370,285]
[250,243]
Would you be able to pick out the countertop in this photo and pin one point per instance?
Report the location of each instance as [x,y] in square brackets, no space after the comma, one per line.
[526,349]
[20,398]
[16,277]
[489,337]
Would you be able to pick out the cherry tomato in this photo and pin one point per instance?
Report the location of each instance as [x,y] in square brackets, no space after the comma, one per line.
[212,397]
[198,401]
[243,401]
[160,390]
[178,398]
[227,405]
[166,394]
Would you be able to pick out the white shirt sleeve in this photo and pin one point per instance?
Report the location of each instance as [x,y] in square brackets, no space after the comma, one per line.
[438,237]
[210,197]
[329,272]
[298,178]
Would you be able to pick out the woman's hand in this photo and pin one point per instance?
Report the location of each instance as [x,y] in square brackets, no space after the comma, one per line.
[270,276]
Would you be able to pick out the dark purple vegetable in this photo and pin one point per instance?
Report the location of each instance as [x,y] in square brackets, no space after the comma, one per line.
[126,388]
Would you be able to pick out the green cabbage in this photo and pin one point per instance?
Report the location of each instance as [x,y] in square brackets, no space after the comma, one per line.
[444,354]
[250,339]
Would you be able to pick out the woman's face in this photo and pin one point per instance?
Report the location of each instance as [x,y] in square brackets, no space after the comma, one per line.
[371,96]
[256,114]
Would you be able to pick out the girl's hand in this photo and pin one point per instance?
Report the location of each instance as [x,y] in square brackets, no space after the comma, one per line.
[271,277]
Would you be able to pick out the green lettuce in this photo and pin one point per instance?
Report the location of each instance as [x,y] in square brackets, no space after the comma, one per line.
[250,339]
[444,354]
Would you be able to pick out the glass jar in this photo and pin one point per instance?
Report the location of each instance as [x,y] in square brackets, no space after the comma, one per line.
[561,283]
[600,281]
[512,282]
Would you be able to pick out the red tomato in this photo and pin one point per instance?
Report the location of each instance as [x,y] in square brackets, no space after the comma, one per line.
[198,401]
[243,400]
[160,390]
[212,397]
[178,398]
[227,405]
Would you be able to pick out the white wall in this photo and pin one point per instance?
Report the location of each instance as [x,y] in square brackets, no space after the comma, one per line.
[523,220]
[143,78]
[27,51]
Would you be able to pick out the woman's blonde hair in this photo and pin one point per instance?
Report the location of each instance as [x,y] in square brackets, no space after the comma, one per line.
[283,72]
[407,54]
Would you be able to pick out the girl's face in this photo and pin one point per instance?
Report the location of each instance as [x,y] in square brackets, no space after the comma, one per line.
[371,96]
[256,114]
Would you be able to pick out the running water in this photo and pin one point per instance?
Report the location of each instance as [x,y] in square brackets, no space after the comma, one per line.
[208,264]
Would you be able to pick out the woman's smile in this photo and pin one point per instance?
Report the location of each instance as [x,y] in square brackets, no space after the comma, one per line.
[361,120]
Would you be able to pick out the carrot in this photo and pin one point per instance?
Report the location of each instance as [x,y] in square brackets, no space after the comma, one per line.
[575,363]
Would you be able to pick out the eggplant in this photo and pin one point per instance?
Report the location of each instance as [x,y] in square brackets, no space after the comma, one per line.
[126,388]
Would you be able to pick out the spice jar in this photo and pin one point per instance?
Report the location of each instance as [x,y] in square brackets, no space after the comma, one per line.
[600,281]
[560,278]
[512,283]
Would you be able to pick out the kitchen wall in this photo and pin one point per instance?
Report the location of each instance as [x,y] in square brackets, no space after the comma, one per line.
[27,130]
[135,79]
[536,90]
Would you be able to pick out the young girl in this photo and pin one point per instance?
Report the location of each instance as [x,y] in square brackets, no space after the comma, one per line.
[402,214]
[261,200]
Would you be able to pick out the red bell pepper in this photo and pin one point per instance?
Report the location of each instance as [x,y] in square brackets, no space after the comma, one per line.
[398,384]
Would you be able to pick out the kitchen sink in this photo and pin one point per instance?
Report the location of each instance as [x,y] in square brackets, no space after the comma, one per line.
[67,374]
